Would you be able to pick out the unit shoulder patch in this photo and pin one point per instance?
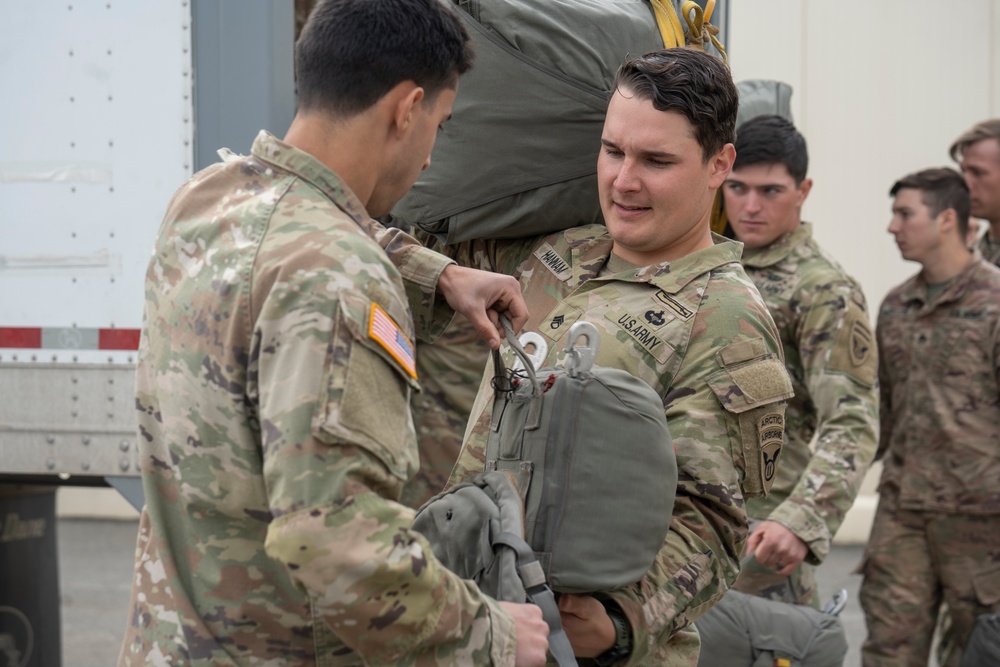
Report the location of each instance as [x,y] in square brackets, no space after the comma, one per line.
[854,350]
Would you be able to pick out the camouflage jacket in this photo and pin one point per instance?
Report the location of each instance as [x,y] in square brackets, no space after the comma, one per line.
[274,376]
[990,249]
[940,393]
[696,331]
[831,357]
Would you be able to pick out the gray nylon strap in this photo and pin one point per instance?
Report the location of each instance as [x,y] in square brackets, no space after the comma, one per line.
[542,596]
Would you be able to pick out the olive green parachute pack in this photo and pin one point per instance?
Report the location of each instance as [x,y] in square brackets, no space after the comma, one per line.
[578,487]
[519,156]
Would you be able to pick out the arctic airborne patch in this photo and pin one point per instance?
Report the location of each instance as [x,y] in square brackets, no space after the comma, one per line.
[674,305]
[553,262]
[771,429]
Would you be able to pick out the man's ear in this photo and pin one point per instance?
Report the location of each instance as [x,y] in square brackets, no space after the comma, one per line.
[720,165]
[948,222]
[407,97]
[804,188]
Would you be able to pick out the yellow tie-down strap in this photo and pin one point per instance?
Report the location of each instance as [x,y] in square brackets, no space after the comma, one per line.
[700,30]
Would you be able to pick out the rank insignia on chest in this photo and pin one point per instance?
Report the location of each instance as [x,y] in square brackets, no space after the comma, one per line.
[384,330]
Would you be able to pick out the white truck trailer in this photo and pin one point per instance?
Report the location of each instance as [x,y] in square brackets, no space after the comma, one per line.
[108,106]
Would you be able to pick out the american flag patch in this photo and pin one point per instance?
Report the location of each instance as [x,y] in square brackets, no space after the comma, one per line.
[383,329]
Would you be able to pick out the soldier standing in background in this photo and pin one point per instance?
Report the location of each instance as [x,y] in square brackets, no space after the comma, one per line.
[936,535]
[275,371]
[674,308]
[978,153]
[830,354]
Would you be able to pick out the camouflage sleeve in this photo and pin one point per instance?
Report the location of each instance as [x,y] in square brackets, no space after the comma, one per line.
[725,409]
[839,367]
[337,443]
[885,403]
[421,269]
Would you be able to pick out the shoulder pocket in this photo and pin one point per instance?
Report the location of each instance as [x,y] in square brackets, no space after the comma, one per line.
[753,385]
[365,397]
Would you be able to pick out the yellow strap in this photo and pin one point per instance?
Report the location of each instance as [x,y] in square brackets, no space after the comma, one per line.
[670,26]
[699,28]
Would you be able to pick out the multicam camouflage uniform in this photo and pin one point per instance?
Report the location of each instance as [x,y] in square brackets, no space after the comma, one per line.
[450,369]
[936,535]
[830,355]
[990,249]
[697,331]
[272,392]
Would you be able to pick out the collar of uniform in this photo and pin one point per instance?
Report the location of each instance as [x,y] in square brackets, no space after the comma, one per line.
[781,248]
[272,150]
[915,289]
[590,252]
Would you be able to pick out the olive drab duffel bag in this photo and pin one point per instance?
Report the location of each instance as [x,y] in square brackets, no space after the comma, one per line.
[519,156]
[584,455]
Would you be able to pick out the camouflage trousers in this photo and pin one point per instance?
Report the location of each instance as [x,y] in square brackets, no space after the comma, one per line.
[914,562]
[800,587]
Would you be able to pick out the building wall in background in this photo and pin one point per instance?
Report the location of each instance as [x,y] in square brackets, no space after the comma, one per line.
[881,90]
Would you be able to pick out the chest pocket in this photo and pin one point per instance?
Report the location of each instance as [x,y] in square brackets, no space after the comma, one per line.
[365,398]
[753,384]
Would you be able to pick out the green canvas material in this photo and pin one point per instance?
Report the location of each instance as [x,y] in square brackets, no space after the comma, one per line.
[748,631]
[759,97]
[595,466]
[519,156]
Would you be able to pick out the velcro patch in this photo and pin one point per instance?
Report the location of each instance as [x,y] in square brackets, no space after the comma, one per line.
[674,305]
[559,267]
[386,332]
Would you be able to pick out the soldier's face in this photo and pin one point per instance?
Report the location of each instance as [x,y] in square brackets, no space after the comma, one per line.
[917,232]
[763,203]
[981,169]
[656,189]
[414,154]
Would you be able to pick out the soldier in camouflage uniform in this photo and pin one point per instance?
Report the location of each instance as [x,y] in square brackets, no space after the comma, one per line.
[978,153]
[936,535]
[674,308]
[830,354]
[274,375]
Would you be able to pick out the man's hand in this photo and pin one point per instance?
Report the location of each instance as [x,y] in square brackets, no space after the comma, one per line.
[481,296]
[776,547]
[587,625]
[532,634]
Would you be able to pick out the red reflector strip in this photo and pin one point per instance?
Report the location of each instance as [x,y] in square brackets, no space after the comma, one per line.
[20,337]
[118,339]
[69,338]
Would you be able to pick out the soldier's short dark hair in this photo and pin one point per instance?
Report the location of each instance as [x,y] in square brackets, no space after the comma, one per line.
[352,52]
[987,129]
[772,139]
[691,82]
[941,188]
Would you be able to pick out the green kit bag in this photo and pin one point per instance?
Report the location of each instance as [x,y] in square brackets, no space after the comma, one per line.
[594,463]
[578,489]
[519,157]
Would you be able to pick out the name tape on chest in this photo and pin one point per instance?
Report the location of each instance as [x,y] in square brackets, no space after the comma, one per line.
[559,267]
[384,330]
[641,334]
